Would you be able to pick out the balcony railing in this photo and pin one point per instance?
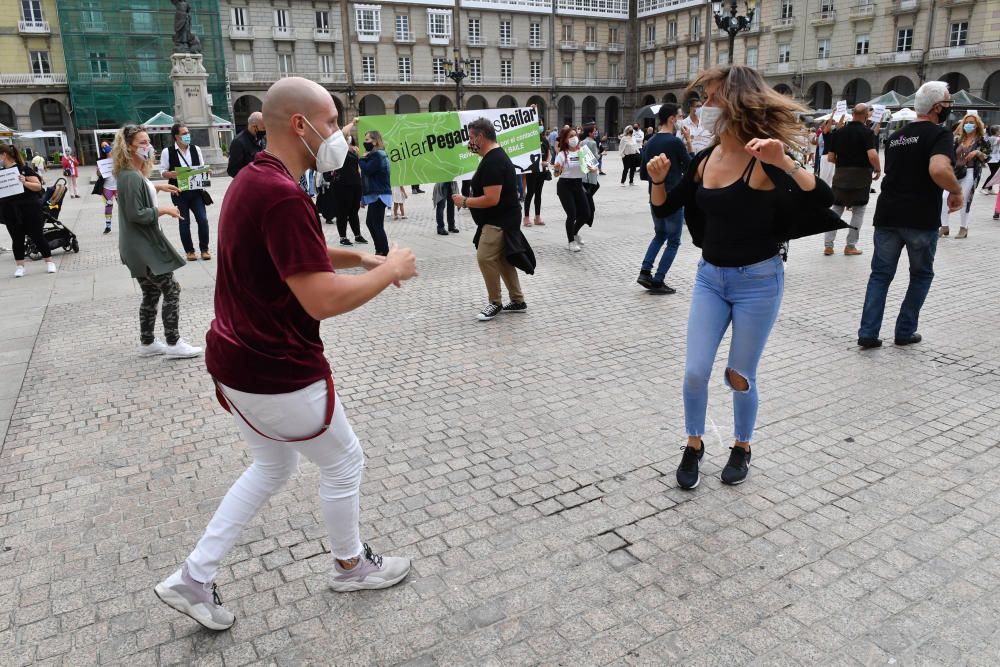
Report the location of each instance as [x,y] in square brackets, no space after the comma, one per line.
[616,47]
[569,45]
[649,45]
[240,32]
[956,3]
[506,43]
[530,82]
[34,27]
[31,79]
[325,35]
[368,35]
[904,6]
[536,43]
[780,24]
[865,10]
[475,41]
[439,38]
[94,25]
[404,37]
[692,38]
[282,32]
[981,50]
[273,75]
[825,17]
[591,46]
[773,69]
[898,57]
[588,83]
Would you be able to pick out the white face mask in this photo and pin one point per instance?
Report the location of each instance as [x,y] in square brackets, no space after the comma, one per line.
[332,152]
[145,152]
[709,117]
[573,141]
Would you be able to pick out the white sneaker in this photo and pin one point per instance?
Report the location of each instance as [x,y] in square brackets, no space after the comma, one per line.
[181,350]
[371,572]
[153,349]
[50,267]
[574,246]
[191,598]
[579,241]
[19,272]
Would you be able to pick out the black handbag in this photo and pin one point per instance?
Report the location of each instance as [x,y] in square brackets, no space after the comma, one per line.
[546,175]
[961,171]
[206,197]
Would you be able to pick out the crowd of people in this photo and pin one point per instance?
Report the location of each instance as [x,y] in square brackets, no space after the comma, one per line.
[728,169]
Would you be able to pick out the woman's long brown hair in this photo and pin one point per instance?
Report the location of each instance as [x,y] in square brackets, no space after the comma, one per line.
[751,109]
[11,151]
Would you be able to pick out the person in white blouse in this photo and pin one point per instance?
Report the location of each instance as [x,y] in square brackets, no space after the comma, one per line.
[182,153]
[570,166]
[695,136]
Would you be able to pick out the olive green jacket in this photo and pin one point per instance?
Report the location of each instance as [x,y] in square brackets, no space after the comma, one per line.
[141,242]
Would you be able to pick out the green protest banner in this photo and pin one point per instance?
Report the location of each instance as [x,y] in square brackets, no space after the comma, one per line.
[191,177]
[433,147]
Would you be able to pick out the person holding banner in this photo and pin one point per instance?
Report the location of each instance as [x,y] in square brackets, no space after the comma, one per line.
[495,210]
[22,209]
[191,197]
[534,181]
[376,190]
[570,166]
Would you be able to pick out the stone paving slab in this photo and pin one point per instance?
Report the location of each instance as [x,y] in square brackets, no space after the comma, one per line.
[526,465]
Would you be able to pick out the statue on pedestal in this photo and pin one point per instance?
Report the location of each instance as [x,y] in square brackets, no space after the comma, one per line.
[185,41]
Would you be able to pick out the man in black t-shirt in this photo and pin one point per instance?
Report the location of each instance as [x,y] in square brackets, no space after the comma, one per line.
[919,164]
[854,153]
[497,212]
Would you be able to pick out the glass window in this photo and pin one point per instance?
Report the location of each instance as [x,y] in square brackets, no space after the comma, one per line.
[823,49]
[244,62]
[694,64]
[959,33]
[40,63]
[826,6]
[536,72]
[323,21]
[505,39]
[32,10]
[506,71]
[671,68]
[649,70]
[591,33]
[475,31]
[784,53]
[403,65]
[438,70]
[567,69]
[695,25]
[651,32]
[786,9]
[752,56]
[567,32]
[722,58]
[281,18]
[613,71]
[239,17]
[613,35]
[286,64]
[368,69]
[99,66]
[861,45]
[142,22]
[671,28]
[475,70]
[368,22]
[402,27]
[326,63]
[438,24]
[591,71]
[535,33]
[904,40]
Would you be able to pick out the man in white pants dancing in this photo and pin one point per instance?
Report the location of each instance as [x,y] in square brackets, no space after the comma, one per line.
[275,283]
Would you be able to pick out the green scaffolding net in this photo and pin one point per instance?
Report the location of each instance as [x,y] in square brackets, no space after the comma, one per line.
[118,58]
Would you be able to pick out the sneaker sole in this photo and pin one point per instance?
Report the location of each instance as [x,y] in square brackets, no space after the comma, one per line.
[737,483]
[181,356]
[694,486]
[178,603]
[150,354]
[522,311]
[351,586]
[483,318]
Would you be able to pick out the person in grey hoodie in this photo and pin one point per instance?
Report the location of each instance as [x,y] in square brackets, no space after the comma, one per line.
[442,199]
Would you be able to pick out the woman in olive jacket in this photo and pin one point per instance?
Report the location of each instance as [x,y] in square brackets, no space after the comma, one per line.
[144,249]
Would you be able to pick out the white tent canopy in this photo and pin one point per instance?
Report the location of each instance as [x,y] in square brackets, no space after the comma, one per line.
[43,134]
[903,115]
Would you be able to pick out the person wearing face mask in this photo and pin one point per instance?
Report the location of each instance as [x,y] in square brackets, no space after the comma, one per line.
[591,182]
[696,136]
[972,150]
[534,181]
[149,256]
[246,144]
[570,166]
[107,187]
[743,197]
[276,280]
[182,153]
[376,189]
[629,146]
[22,213]
[856,156]
[919,165]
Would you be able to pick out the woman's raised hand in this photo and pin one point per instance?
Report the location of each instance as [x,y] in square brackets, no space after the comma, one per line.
[768,151]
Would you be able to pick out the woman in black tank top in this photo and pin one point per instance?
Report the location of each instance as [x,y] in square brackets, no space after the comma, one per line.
[734,196]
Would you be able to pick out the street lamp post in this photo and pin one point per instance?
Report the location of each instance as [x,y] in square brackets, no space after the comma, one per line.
[455,71]
[733,24]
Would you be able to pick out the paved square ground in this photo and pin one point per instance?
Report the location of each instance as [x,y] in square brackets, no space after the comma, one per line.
[526,465]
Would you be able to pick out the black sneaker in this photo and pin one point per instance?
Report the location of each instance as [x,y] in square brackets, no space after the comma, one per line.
[329,222]
[908,340]
[688,476]
[361,239]
[489,312]
[737,467]
[107,230]
[516,307]
[660,287]
[453,230]
[441,232]
[645,279]
[869,343]
[996,216]
[345,241]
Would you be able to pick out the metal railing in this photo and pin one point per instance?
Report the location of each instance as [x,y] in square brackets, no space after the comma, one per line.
[31,79]
[36,27]
[587,82]
[241,32]
[865,10]
[273,75]
[282,32]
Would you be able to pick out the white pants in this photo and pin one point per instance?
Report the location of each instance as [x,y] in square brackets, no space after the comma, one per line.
[337,453]
[967,185]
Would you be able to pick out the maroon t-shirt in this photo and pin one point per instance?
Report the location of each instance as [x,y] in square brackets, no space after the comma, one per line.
[262,341]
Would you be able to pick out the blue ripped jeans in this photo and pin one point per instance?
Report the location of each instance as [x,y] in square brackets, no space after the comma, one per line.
[748,297]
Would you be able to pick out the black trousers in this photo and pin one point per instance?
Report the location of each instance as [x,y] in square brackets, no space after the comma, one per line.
[575,203]
[25,220]
[591,190]
[376,227]
[534,183]
[347,199]
[629,164]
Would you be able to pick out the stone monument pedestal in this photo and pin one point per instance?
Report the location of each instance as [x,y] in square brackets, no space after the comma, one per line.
[193,103]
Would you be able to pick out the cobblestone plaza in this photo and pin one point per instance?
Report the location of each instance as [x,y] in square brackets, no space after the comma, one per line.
[525,464]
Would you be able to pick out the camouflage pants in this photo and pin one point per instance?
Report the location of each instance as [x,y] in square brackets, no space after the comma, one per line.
[152,287]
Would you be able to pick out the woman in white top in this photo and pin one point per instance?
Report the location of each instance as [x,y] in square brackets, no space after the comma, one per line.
[569,166]
[629,148]
[994,161]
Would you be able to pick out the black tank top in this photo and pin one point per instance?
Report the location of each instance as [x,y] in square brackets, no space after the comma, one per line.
[739,222]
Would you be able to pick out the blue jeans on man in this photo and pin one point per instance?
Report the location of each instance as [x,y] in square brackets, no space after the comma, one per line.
[920,244]
[190,202]
[666,230]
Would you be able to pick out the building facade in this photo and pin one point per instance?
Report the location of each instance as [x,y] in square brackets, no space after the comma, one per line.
[33,91]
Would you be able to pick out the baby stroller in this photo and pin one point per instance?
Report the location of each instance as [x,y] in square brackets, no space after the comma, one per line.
[57,234]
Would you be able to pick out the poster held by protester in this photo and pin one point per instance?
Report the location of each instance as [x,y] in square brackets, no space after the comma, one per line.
[878,113]
[104,167]
[433,147]
[192,177]
[10,182]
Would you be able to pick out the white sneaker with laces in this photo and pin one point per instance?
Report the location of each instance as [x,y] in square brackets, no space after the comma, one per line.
[181,350]
[195,599]
[574,246]
[19,272]
[50,267]
[153,349]
[579,241]
[371,572]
